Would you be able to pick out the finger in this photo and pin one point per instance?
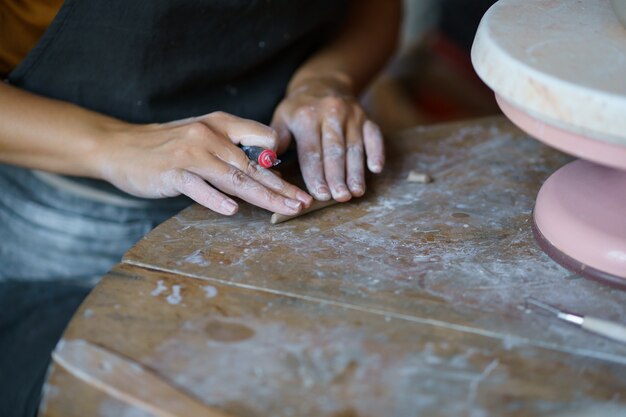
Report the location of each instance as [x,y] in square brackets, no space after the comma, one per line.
[374,146]
[309,147]
[243,131]
[282,131]
[355,170]
[235,182]
[276,183]
[202,193]
[234,156]
[334,151]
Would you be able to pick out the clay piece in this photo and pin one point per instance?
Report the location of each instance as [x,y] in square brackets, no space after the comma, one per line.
[419,177]
[316,205]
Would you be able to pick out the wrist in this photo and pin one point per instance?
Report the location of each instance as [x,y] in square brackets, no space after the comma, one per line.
[106,148]
[327,83]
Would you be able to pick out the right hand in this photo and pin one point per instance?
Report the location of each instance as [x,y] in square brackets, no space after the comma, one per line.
[198,157]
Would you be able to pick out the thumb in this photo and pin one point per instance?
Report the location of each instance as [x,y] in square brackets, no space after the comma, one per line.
[282,130]
[246,132]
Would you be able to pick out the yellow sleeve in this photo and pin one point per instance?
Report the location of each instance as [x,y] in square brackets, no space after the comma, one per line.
[22,23]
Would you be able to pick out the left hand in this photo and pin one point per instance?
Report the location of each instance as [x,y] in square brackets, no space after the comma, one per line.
[333,135]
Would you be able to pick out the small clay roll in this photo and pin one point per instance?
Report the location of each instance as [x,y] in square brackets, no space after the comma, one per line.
[420,177]
[316,205]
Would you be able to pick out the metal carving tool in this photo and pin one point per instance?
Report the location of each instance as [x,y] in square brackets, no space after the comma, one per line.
[595,325]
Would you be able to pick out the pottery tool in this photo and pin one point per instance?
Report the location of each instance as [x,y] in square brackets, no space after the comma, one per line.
[316,205]
[595,325]
[553,81]
[128,381]
[264,157]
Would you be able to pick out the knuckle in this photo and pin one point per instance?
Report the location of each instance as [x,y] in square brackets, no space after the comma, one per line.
[272,133]
[334,152]
[311,157]
[198,130]
[355,150]
[183,153]
[237,177]
[282,188]
[334,103]
[173,178]
[333,128]
[275,182]
[306,112]
[219,114]
[252,169]
[272,136]
[272,197]
[329,136]
[185,178]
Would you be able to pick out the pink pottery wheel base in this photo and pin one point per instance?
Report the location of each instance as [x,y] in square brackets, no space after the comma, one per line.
[580,213]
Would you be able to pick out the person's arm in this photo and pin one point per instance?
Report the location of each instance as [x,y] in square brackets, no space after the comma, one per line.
[196,157]
[321,111]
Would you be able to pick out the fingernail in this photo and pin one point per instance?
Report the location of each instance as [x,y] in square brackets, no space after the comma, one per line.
[323,191]
[229,206]
[357,188]
[297,205]
[342,190]
[304,197]
[376,166]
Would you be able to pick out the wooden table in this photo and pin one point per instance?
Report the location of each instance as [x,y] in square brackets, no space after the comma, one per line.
[406,302]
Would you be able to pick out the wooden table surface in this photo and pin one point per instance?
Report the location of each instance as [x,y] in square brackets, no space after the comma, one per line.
[406,302]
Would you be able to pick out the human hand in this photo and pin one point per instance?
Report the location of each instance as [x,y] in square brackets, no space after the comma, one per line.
[332,134]
[198,157]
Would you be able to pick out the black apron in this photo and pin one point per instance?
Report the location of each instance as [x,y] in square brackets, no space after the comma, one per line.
[140,61]
[161,60]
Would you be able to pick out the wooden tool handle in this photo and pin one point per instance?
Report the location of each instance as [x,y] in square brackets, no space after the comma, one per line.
[316,205]
[605,328]
[128,381]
